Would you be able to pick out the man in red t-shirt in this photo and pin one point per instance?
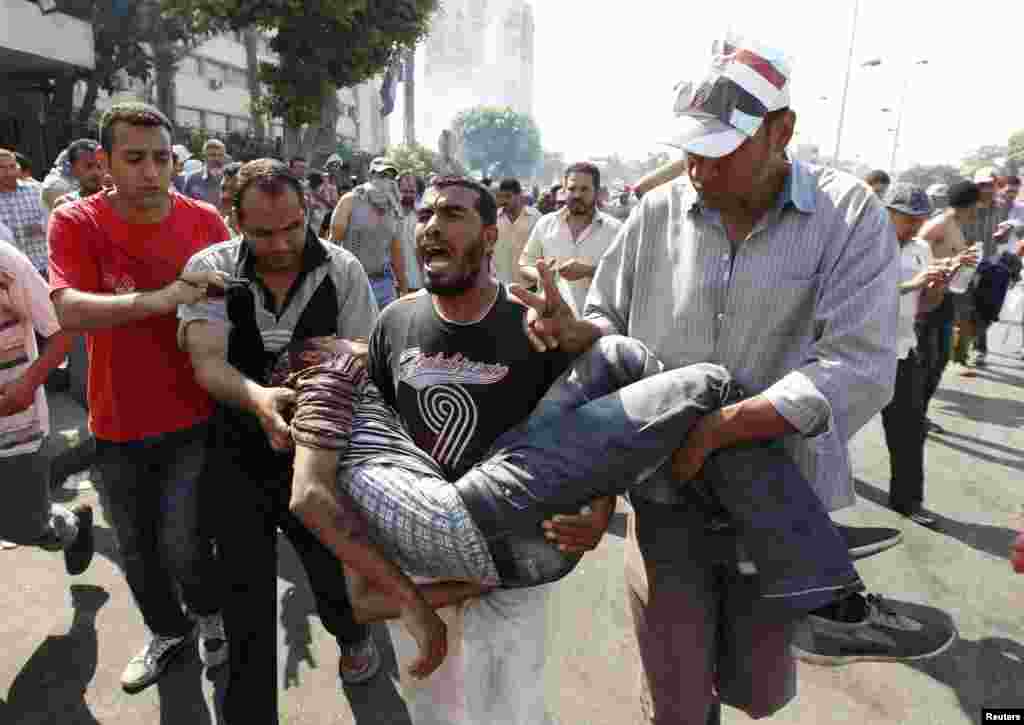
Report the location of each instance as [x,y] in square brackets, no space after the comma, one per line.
[116,263]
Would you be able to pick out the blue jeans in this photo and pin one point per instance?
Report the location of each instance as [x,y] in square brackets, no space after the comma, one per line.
[150,493]
[613,420]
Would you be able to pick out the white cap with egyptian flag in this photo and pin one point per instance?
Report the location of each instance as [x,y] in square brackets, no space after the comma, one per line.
[747,80]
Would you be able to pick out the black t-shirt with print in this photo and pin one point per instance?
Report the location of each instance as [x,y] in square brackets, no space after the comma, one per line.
[457,387]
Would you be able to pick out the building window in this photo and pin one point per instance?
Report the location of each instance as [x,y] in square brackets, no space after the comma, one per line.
[236,77]
[189,117]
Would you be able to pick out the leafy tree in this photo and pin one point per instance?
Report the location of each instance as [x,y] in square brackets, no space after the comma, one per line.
[1016,151]
[988,155]
[924,175]
[130,39]
[322,45]
[415,159]
[499,141]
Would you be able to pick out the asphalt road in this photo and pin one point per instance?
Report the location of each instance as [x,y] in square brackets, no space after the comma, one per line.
[66,641]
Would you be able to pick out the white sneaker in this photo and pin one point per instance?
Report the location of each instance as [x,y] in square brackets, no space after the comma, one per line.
[213,642]
[146,667]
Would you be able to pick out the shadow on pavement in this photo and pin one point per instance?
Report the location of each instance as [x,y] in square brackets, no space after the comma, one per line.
[181,692]
[998,411]
[993,540]
[51,685]
[983,673]
[1012,458]
[377,702]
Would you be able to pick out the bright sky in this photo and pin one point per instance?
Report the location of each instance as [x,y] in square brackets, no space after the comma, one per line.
[605,72]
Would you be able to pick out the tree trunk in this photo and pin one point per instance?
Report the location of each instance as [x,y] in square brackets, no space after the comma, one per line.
[252,72]
[165,68]
[410,97]
[315,140]
[60,111]
[92,91]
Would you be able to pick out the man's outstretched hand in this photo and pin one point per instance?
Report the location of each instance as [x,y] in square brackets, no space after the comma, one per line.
[580,533]
[550,322]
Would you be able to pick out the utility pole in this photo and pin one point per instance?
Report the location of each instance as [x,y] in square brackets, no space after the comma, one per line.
[410,96]
[846,85]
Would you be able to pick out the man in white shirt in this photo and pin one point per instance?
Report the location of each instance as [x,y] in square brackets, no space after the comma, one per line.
[516,221]
[922,282]
[573,239]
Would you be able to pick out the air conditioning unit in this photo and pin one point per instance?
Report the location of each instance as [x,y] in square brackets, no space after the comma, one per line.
[216,85]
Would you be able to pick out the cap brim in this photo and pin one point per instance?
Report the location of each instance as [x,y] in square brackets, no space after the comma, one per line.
[706,137]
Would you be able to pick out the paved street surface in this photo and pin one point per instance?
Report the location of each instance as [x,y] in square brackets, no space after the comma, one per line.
[61,664]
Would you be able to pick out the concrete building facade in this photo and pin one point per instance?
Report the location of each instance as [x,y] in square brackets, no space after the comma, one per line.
[478,52]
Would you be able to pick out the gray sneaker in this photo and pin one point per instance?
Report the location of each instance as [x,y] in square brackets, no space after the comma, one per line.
[892,631]
[146,667]
[213,643]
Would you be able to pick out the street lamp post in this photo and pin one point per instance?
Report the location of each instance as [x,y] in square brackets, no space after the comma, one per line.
[899,118]
[846,84]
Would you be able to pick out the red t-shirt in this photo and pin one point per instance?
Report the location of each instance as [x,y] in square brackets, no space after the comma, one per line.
[140,383]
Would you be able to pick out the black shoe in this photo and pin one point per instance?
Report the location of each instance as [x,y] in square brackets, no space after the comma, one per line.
[888,631]
[864,541]
[78,555]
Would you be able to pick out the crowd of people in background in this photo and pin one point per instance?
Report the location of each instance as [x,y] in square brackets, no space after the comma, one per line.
[204,287]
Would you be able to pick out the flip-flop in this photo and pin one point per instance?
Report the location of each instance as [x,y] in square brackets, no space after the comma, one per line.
[5,545]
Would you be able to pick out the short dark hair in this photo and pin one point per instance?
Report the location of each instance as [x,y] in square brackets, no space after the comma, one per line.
[134,114]
[585,167]
[877,177]
[24,163]
[512,185]
[81,146]
[232,169]
[964,194]
[315,179]
[269,175]
[485,204]
[486,181]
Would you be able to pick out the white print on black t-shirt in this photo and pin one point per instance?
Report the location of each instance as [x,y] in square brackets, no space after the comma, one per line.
[445,406]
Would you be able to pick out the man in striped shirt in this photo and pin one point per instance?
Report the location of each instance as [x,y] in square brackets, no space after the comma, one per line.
[785,274]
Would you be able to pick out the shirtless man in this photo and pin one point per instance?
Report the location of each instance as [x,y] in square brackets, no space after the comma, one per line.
[934,327]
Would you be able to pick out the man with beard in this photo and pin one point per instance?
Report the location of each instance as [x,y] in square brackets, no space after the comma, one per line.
[464,324]
[85,168]
[366,223]
[205,184]
[573,239]
[408,189]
